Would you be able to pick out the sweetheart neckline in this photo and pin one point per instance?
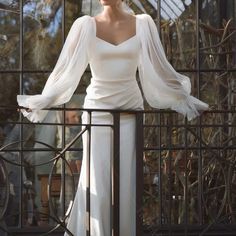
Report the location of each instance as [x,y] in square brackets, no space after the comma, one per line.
[115,45]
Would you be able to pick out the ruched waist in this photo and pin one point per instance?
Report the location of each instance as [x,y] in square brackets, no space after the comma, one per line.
[113,79]
[122,93]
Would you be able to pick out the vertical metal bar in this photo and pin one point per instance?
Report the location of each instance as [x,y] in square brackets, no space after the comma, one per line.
[63,181]
[91,8]
[185,182]
[160,133]
[169,142]
[159,16]
[20,223]
[79,4]
[160,172]
[115,170]
[160,116]
[89,127]
[139,173]
[198,18]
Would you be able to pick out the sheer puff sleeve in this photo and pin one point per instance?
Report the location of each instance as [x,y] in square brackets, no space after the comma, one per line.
[162,86]
[64,79]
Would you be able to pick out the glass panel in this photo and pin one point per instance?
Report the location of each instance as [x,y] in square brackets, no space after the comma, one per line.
[11,136]
[231,192]
[218,89]
[146,6]
[193,201]
[38,170]
[216,34]
[9,88]
[84,82]
[178,185]
[9,35]
[42,34]
[166,189]
[218,160]
[74,153]
[73,10]
[151,204]
[73,121]
[214,187]
[33,83]
[178,32]
[36,202]
[11,217]
[41,142]
[91,7]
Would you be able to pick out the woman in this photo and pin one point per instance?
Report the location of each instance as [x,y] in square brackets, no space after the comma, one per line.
[115,44]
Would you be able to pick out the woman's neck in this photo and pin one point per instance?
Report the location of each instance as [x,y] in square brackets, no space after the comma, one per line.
[113,13]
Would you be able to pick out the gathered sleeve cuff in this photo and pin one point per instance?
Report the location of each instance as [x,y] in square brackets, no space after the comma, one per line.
[65,77]
[162,86]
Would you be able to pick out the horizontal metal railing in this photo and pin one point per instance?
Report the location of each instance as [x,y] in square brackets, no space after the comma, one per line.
[157,138]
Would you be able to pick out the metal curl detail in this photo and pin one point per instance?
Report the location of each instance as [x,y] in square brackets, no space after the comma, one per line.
[4,169]
[59,155]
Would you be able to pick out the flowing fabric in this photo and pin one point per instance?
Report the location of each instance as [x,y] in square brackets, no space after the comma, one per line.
[65,76]
[163,87]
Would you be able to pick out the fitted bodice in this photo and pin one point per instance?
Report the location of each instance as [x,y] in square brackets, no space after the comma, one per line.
[116,61]
[113,83]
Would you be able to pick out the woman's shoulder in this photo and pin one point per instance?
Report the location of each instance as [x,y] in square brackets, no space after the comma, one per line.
[83,19]
[143,16]
[146,20]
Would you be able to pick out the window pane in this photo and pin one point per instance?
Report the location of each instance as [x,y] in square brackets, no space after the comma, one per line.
[9,36]
[42,33]
[139,7]
[179,32]
[91,7]
[9,88]
[216,34]
[218,88]
[73,10]
[12,216]
[33,83]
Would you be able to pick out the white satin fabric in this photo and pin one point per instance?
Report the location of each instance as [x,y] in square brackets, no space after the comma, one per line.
[163,87]
[101,152]
[114,86]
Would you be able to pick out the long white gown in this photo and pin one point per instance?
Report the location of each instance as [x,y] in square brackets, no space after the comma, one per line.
[113,86]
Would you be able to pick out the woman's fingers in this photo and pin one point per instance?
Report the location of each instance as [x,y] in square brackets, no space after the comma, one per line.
[26,109]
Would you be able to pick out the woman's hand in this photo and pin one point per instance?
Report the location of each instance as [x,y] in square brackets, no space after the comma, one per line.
[26,109]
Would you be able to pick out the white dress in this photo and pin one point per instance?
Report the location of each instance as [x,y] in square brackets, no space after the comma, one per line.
[113,86]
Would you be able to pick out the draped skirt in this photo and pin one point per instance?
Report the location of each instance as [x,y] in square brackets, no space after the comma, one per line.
[101,153]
